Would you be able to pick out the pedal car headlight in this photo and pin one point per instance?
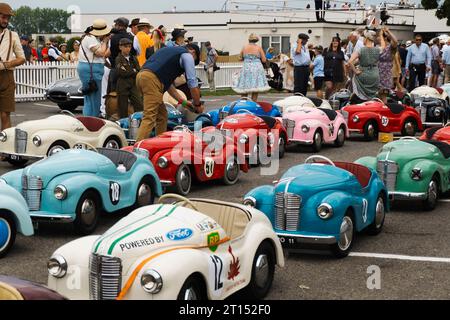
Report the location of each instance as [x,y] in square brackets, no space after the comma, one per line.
[60,192]
[57,266]
[355,119]
[305,128]
[416,174]
[163,162]
[3,136]
[325,211]
[151,281]
[437,112]
[37,141]
[243,139]
[250,201]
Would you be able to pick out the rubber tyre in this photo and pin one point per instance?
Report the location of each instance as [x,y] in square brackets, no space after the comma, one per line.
[179,188]
[81,227]
[17,163]
[317,143]
[148,182]
[340,142]
[68,106]
[195,284]
[404,129]
[339,252]
[113,140]
[375,228]
[367,135]
[226,180]
[282,147]
[430,203]
[11,238]
[63,145]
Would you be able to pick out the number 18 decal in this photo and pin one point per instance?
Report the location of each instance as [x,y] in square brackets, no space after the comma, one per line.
[114,192]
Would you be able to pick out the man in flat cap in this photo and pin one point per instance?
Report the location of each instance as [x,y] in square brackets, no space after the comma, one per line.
[126,69]
[302,60]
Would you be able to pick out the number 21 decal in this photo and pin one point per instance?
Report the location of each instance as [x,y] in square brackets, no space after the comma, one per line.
[114,192]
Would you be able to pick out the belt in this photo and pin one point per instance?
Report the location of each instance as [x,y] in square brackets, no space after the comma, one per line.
[302,66]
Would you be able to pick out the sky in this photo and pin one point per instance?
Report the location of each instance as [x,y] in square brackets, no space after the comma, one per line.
[147,6]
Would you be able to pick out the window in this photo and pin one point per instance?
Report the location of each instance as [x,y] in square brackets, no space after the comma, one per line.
[279,43]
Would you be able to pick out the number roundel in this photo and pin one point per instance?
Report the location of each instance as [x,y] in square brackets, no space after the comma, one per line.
[209,167]
[114,192]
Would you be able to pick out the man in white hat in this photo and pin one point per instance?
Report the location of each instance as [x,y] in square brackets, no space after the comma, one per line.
[11,56]
[143,40]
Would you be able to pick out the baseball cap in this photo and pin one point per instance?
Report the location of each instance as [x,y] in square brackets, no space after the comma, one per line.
[176,33]
[125,41]
[25,37]
[303,36]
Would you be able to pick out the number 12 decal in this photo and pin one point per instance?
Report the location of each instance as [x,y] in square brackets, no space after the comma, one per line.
[114,192]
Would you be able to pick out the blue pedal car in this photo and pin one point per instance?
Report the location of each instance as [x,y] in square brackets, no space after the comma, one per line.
[14,217]
[76,185]
[244,105]
[323,203]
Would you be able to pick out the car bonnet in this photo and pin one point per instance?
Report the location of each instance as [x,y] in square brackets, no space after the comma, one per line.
[57,122]
[403,151]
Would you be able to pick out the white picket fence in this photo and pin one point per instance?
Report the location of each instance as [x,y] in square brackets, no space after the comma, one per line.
[33,79]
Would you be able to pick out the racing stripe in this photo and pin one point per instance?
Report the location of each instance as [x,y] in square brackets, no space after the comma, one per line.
[111,248]
[125,227]
[145,261]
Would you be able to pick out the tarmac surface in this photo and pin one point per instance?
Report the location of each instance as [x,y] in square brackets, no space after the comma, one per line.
[412,254]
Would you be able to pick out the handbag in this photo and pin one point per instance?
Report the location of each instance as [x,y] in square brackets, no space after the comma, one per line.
[216,67]
[92,85]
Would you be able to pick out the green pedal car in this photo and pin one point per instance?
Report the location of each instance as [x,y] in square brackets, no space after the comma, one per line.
[413,170]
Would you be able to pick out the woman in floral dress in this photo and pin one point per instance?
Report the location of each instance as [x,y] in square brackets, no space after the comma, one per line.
[252,78]
[388,46]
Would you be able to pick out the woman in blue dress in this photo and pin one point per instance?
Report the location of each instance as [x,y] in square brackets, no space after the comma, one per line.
[252,78]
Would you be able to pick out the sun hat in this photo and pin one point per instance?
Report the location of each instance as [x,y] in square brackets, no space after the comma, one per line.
[253,37]
[99,28]
[144,22]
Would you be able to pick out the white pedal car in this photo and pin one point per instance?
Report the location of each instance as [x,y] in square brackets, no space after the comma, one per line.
[297,101]
[189,250]
[40,138]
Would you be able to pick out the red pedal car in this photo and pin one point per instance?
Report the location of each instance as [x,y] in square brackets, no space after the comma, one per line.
[374,116]
[257,136]
[437,133]
[181,155]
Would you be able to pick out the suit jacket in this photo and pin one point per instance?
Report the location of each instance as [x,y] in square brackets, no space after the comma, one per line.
[126,71]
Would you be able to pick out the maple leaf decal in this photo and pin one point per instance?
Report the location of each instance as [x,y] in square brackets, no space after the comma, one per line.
[234,266]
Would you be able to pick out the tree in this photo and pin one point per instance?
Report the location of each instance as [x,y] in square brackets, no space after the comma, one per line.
[443,8]
[40,20]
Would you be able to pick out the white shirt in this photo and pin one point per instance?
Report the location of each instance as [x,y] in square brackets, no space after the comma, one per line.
[137,46]
[16,47]
[54,53]
[90,42]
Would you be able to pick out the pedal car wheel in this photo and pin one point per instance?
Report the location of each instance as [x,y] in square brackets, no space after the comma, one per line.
[380,216]
[183,180]
[56,147]
[87,213]
[409,128]
[144,193]
[346,234]
[370,131]
[317,141]
[7,233]
[112,143]
[17,162]
[193,289]
[281,147]
[340,139]
[232,170]
[263,271]
[433,194]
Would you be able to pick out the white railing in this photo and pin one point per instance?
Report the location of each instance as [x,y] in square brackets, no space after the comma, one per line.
[33,79]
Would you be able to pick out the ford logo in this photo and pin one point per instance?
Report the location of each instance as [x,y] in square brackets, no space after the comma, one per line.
[179,234]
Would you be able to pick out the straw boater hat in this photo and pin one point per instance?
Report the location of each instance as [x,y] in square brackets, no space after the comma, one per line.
[100,28]
[253,37]
[145,22]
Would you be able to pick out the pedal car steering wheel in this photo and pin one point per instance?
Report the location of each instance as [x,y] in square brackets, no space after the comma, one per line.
[244,111]
[378,99]
[409,138]
[183,128]
[447,125]
[68,113]
[178,197]
[246,99]
[316,157]
[87,145]
[298,94]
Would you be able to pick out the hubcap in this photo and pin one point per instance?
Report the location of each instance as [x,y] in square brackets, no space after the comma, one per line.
[262,270]
[281,145]
[88,211]
[341,135]
[5,233]
[112,144]
[346,234]
[409,128]
[317,139]
[432,192]
[371,130]
[379,213]
[185,179]
[144,195]
[54,150]
[232,170]
[190,294]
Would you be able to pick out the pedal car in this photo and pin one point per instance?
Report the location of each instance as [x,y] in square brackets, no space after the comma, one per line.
[340,99]
[413,169]
[437,133]
[181,155]
[323,204]
[298,100]
[193,249]
[17,289]
[76,185]
[42,138]
[315,127]
[434,108]
[371,117]
[14,217]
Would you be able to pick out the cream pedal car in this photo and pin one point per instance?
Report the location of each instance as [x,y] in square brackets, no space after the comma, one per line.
[32,140]
[298,100]
[190,250]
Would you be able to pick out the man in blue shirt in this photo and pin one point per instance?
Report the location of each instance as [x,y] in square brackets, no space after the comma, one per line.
[446,63]
[418,62]
[157,76]
[302,60]
[317,67]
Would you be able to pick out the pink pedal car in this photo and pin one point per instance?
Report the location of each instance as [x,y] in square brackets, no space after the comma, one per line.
[315,127]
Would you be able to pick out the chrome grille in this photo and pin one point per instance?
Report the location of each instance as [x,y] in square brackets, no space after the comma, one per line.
[335,104]
[223,115]
[31,191]
[105,277]
[134,128]
[346,115]
[387,170]
[20,142]
[290,127]
[287,211]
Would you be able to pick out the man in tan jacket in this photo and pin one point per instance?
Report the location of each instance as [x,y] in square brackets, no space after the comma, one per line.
[11,56]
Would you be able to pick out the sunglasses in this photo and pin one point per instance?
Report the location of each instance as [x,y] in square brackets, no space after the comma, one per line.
[418,40]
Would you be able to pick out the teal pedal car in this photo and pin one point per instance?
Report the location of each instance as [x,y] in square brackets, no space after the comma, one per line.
[76,185]
[14,217]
